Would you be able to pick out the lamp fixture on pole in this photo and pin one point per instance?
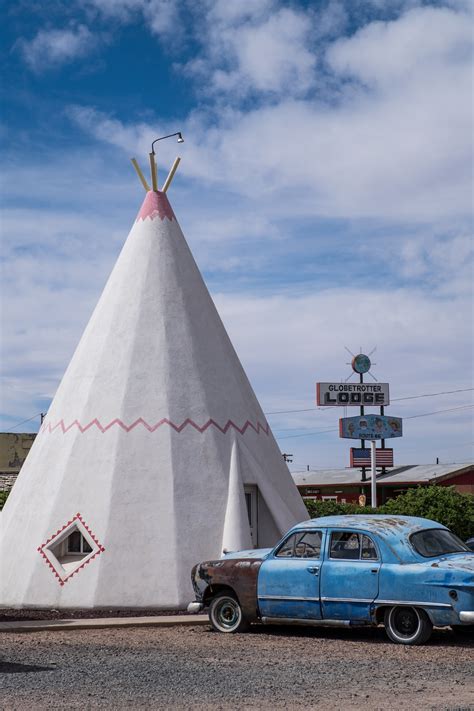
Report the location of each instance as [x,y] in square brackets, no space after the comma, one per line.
[170,135]
[154,176]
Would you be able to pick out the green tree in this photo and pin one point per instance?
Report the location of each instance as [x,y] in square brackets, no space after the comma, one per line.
[438,503]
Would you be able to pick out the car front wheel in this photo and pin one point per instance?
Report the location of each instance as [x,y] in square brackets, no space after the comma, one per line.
[226,614]
[407,625]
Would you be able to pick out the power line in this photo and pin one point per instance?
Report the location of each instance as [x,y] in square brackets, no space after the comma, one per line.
[309,434]
[24,421]
[314,409]
[284,412]
[445,392]
[396,399]
[437,412]
[424,414]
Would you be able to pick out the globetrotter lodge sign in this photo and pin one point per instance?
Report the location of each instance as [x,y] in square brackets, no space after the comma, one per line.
[366,427]
[357,394]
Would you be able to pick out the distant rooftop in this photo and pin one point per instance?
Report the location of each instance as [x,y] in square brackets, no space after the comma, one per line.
[422,473]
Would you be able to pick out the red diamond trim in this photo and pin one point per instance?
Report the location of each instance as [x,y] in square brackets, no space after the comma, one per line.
[100,549]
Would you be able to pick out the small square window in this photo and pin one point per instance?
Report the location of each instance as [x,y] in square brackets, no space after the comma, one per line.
[70,549]
[76,543]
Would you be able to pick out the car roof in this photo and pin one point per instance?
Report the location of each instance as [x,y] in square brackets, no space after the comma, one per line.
[383,524]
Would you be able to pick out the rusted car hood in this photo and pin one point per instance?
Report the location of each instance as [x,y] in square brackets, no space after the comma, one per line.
[256,553]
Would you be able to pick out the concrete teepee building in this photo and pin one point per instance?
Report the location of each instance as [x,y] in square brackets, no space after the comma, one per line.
[155,453]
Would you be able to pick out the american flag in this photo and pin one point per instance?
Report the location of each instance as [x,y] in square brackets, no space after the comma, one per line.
[361,457]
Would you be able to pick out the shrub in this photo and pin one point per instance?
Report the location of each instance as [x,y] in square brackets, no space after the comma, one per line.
[438,503]
[3,498]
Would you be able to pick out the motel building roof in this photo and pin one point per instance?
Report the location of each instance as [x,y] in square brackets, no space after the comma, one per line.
[410,474]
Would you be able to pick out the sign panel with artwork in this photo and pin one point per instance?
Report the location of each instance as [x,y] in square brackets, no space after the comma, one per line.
[370,427]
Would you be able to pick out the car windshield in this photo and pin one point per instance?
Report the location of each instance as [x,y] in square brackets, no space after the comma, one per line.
[437,541]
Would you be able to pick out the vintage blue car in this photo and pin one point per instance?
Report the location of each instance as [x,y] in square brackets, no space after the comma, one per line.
[409,573]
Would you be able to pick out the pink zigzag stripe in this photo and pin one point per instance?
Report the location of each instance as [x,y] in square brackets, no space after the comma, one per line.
[48,427]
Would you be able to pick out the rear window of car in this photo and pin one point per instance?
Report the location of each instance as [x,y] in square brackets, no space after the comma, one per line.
[434,542]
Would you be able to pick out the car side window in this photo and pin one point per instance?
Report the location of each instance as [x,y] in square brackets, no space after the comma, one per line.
[309,545]
[304,544]
[287,549]
[349,545]
[369,551]
[345,545]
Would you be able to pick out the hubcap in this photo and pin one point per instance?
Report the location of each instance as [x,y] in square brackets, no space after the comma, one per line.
[227,613]
[405,621]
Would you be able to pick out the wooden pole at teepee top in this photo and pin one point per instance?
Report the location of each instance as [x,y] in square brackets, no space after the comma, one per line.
[140,174]
[154,180]
[170,177]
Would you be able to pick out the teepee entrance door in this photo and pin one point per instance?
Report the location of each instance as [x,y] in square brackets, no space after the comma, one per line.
[251,499]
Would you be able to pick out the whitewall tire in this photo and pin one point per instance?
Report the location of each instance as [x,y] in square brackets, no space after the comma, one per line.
[407,625]
[225,614]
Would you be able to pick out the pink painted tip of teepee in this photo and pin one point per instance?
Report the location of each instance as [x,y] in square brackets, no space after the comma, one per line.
[155,204]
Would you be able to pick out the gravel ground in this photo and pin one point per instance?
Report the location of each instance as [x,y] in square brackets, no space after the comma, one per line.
[267,668]
[13,615]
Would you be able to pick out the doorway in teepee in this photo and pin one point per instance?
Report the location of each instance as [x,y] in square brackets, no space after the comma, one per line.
[251,500]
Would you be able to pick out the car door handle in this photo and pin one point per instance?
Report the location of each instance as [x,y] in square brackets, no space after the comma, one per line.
[313,570]
[374,570]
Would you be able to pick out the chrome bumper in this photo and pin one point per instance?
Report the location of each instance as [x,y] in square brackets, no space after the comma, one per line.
[194,607]
[467,616]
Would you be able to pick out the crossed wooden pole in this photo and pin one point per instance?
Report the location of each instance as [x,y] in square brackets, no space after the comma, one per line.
[154,174]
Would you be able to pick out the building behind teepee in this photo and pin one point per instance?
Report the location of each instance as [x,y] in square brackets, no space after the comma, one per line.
[155,453]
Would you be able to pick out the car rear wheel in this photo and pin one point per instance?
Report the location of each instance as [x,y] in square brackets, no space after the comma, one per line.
[407,625]
[225,614]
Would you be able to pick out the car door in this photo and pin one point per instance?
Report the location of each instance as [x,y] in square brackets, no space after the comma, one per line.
[349,575]
[288,580]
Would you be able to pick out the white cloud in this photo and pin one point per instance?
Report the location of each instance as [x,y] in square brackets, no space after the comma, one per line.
[267,53]
[384,145]
[119,9]
[136,138]
[160,16]
[395,142]
[424,345]
[331,19]
[424,41]
[50,48]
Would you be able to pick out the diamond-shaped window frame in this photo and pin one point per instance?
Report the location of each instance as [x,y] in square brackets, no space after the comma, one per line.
[45,550]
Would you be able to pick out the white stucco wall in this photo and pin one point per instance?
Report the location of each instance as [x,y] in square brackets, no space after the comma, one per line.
[152,422]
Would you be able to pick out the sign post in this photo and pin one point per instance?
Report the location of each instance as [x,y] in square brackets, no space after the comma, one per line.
[373,473]
[366,427]
[372,428]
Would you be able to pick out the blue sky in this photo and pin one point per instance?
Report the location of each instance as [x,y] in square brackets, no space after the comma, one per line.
[325,189]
